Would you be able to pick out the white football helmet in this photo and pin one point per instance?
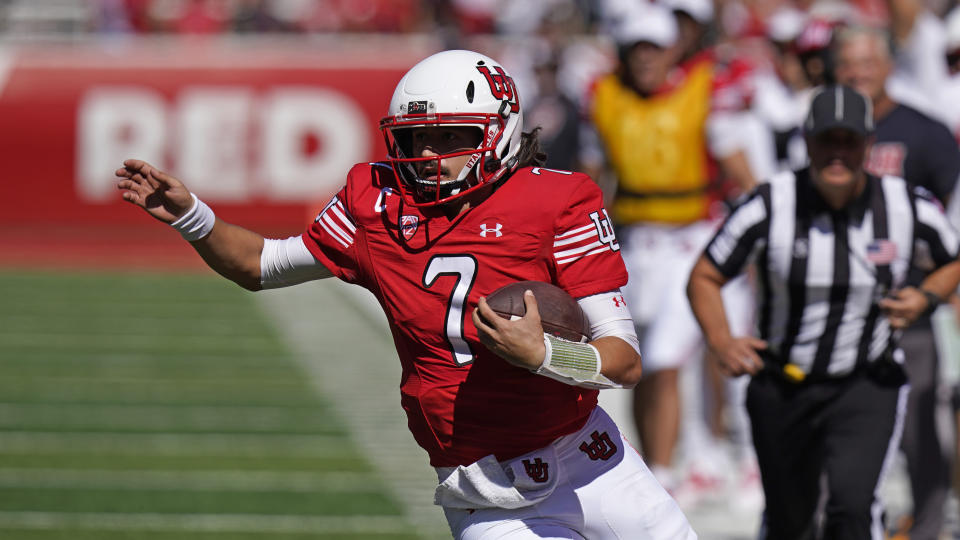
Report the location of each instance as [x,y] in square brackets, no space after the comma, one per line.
[454,88]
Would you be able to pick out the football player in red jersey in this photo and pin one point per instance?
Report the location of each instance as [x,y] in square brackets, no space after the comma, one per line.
[507,414]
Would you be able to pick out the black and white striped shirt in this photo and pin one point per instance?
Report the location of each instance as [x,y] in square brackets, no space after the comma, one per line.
[821,272]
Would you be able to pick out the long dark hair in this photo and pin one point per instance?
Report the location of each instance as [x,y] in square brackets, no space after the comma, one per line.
[531,153]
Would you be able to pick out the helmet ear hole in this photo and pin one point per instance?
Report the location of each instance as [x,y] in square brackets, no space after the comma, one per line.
[491,165]
[470,91]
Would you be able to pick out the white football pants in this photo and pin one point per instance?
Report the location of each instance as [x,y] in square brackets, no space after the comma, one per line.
[603,490]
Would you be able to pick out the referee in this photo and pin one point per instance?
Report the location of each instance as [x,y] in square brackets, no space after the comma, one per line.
[833,246]
[923,152]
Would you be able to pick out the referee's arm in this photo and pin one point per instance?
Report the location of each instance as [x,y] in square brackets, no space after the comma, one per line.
[943,244]
[910,302]
[736,355]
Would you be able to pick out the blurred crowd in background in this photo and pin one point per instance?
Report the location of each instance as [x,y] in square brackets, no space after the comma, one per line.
[779,40]
[778,49]
[770,55]
[734,18]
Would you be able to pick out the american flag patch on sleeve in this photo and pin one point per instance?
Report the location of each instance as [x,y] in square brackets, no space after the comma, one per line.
[881,251]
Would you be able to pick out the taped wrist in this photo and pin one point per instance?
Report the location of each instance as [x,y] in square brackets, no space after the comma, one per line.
[573,363]
[197,222]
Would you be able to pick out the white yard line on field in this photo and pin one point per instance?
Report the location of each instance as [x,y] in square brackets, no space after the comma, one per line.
[341,340]
[93,340]
[165,444]
[240,523]
[229,480]
[172,417]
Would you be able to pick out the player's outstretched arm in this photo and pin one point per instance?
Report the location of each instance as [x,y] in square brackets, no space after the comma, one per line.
[232,251]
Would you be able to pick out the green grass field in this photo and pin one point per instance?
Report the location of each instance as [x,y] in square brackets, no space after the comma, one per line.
[165,407]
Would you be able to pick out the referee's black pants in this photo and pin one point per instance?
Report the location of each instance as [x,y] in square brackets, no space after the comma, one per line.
[846,429]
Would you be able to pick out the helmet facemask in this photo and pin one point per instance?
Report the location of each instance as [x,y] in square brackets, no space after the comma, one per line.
[418,175]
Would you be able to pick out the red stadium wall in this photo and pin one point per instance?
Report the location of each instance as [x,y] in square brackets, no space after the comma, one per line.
[262,131]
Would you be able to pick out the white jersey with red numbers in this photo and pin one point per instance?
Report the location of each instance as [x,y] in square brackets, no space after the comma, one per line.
[463,402]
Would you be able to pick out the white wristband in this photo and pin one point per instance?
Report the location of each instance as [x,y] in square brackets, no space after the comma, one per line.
[197,222]
[573,363]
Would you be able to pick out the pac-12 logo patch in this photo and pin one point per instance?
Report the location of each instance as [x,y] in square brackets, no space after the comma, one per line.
[408,226]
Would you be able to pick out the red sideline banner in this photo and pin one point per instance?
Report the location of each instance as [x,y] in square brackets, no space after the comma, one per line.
[264,131]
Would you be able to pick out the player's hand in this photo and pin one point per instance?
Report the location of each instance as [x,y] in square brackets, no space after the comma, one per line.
[738,356]
[161,195]
[904,306]
[520,341]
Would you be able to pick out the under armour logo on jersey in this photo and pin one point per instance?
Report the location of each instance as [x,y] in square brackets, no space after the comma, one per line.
[496,231]
[537,471]
[601,447]
[605,229]
[618,301]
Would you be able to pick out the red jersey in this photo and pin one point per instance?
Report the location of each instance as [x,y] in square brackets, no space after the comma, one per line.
[462,401]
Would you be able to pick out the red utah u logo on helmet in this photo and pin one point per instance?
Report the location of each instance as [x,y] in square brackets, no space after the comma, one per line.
[502,86]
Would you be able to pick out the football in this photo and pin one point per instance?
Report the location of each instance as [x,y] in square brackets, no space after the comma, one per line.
[560,313]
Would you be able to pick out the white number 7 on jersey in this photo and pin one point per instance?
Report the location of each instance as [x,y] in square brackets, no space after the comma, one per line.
[465,268]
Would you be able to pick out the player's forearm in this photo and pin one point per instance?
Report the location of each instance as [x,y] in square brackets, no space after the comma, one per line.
[620,362]
[233,252]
